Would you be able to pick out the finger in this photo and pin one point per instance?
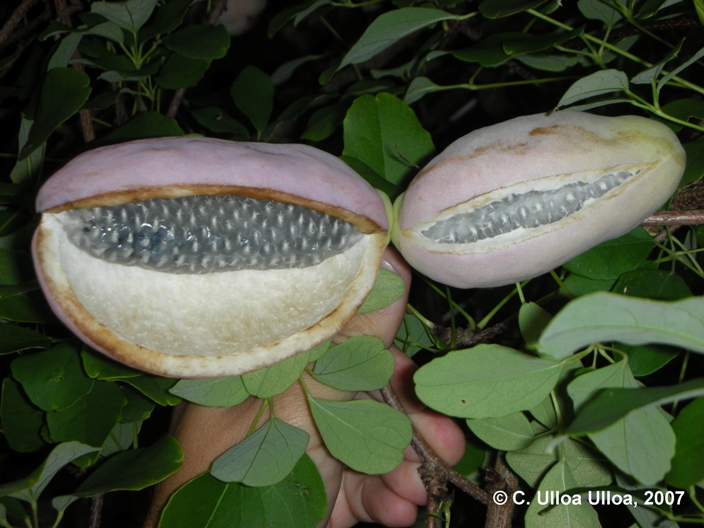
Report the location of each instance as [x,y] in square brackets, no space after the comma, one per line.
[367,498]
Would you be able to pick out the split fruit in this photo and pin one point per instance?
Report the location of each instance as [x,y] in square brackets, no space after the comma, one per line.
[512,201]
[199,257]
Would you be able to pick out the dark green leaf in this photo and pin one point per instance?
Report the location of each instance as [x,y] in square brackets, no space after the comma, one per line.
[280,19]
[646,359]
[598,10]
[599,83]
[369,174]
[695,161]
[53,379]
[253,94]
[142,126]
[688,462]
[535,44]
[90,419]
[504,8]
[609,405]
[487,381]
[603,317]
[610,259]
[21,421]
[366,435]
[654,284]
[389,28]
[155,388]
[199,41]
[413,335]
[213,392]
[26,308]
[134,469]
[324,121]
[15,267]
[101,367]
[14,338]
[168,17]
[507,433]
[532,320]
[138,407]
[388,289]
[384,133]
[130,15]
[181,72]
[284,72]
[264,458]
[685,109]
[359,364]
[64,92]
[488,52]
[29,168]
[216,119]
[418,88]
[578,285]
[551,63]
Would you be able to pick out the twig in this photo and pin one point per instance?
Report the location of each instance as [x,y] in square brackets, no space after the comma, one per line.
[675,218]
[434,468]
[465,337]
[96,507]
[15,18]
[176,102]
[500,479]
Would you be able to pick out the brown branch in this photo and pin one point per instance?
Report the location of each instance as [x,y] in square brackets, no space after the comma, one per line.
[434,471]
[675,218]
[500,479]
[176,102]
[465,337]
[15,18]
[96,508]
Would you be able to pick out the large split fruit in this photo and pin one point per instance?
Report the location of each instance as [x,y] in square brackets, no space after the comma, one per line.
[200,257]
[515,200]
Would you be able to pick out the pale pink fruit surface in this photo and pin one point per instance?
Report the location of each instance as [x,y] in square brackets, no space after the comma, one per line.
[208,324]
[536,152]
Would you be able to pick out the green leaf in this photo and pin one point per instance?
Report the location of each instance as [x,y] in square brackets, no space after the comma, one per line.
[264,458]
[359,364]
[26,308]
[298,501]
[545,413]
[472,460]
[641,443]
[685,109]
[10,507]
[155,388]
[64,52]
[389,28]
[598,10]
[384,133]
[91,418]
[30,167]
[610,259]
[14,338]
[201,41]
[32,486]
[99,366]
[324,121]
[504,8]
[181,72]
[418,88]
[603,317]
[212,392]
[507,433]
[560,479]
[412,335]
[388,289]
[130,15]
[647,76]
[688,462]
[532,462]
[668,77]
[487,381]
[216,119]
[578,285]
[253,94]
[284,72]
[53,379]
[64,92]
[280,19]
[168,17]
[21,421]
[121,438]
[138,407]
[551,63]
[599,83]
[609,405]
[534,44]
[532,320]
[366,435]
[275,379]
[646,359]
[134,469]
[487,52]
[208,502]
[142,126]
[653,284]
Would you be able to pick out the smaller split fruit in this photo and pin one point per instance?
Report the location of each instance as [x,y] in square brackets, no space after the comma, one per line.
[196,257]
[514,200]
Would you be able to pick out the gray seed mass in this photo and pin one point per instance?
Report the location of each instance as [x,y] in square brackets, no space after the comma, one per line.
[204,234]
[515,211]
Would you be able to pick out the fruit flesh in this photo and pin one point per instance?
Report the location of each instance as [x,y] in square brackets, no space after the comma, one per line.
[204,234]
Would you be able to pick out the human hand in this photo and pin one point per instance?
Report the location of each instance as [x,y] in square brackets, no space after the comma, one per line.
[390,499]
